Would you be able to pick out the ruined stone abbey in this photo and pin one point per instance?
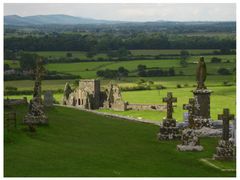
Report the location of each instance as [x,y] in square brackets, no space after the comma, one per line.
[88,95]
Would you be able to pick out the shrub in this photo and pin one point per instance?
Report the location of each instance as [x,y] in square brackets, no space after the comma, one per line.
[159,86]
[68,54]
[216,60]
[10,88]
[179,86]
[223,71]
[227,83]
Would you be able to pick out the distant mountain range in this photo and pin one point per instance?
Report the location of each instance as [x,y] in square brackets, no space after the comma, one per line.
[61,19]
[52,19]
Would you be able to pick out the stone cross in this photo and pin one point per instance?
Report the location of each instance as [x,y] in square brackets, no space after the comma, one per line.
[191,108]
[169,100]
[39,71]
[225,117]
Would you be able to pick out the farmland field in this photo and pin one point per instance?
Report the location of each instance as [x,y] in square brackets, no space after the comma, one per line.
[154,52]
[75,54]
[89,69]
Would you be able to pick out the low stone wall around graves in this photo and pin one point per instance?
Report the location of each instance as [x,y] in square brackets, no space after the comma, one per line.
[154,107]
[9,102]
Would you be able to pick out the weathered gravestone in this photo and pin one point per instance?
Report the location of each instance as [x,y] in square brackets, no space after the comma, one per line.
[48,99]
[190,140]
[234,131]
[36,113]
[10,122]
[225,148]
[168,129]
[202,97]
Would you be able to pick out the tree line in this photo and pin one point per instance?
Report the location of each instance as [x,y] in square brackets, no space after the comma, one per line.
[109,41]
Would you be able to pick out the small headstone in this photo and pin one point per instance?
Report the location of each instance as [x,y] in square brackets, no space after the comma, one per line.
[190,140]
[10,121]
[48,99]
[168,129]
[225,148]
[234,131]
[185,116]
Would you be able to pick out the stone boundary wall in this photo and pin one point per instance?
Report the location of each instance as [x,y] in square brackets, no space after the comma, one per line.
[113,115]
[204,132]
[153,107]
[10,102]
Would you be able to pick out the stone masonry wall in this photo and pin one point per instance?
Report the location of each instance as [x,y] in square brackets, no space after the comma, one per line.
[154,107]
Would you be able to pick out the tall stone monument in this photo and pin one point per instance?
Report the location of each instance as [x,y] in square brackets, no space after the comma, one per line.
[190,140]
[36,113]
[202,97]
[168,129]
[225,149]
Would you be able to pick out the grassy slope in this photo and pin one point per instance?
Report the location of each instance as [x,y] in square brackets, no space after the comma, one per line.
[78,143]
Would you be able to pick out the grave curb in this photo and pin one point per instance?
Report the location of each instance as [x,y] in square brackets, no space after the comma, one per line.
[205,161]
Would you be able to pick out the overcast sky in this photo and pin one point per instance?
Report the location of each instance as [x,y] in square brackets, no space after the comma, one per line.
[130,12]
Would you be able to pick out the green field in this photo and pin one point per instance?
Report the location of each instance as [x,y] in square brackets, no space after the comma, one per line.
[89,69]
[222,97]
[219,99]
[78,143]
[155,52]
[12,63]
[75,54]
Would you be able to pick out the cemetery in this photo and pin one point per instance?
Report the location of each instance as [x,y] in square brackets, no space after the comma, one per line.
[209,143]
[132,90]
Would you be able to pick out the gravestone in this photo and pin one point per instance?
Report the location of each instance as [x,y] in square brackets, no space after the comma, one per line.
[202,97]
[234,131]
[190,140]
[10,121]
[168,129]
[48,99]
[36,113]
[225,148]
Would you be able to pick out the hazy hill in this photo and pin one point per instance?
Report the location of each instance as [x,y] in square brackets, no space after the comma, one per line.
[51,19]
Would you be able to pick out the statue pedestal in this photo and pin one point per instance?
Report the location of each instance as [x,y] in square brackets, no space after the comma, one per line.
[200,122]
[168,130]
[224,150]
[190,141]
[202,110]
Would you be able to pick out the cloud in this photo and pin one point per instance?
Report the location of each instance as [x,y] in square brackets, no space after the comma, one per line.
[131,12]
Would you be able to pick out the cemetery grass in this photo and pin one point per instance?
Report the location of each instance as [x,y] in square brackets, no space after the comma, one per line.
[78,143]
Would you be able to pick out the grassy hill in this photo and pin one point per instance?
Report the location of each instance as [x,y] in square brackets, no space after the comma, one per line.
[78,143]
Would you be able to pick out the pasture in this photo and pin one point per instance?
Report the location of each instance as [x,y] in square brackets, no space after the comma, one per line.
[75,54]
[82,144]
[89,69]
